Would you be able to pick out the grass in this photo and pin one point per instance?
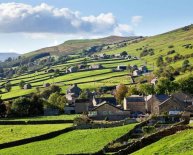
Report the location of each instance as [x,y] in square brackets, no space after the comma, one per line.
[11,133]
[39,118]
[178,144]
[78,141]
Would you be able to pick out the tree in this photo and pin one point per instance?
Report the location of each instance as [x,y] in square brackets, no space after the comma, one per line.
[57,101]
[84,94]
[20,106]
[185,65]
[160,61]
[21,84]
[124,53]
[165,86]
[8,87]
[36,105]
[186,84]
[55,89]
[146,89]
[3,109]
[121,92]
[46,93]
[132,91]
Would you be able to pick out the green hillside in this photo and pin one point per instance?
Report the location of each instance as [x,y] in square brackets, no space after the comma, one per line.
[74,46]
[179,144]
[161,45]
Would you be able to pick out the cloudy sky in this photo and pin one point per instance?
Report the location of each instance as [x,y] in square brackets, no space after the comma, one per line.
[29,25]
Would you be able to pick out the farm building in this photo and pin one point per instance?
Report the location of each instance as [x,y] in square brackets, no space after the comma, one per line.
[136,73]
[108,111]
[96,66]
[71,69]
[135,103]
[121,67]
[74,89]
[27,86]
[82,106]
[81,66]
[143,69]
[134,67]
[160,104]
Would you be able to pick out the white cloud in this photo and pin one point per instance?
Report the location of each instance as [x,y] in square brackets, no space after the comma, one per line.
[24,18]
[123,29]
[136,20]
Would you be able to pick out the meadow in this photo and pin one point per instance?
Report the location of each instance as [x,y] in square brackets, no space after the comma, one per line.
[77,141]
[178,144]
[40,118]
[11,133]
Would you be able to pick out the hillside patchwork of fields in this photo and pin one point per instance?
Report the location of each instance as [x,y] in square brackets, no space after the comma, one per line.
[78,141]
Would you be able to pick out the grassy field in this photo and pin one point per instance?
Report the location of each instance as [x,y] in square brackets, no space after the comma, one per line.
[178,144]
[78,141]
[160,44]
[16,132]
[39,118]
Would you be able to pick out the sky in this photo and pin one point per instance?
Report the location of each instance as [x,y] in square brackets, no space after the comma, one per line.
[30,25]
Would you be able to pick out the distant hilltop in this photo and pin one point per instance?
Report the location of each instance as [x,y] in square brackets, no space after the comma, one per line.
[4,56]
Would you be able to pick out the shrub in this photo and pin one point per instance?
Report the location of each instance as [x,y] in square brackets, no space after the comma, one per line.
[81,120]
[171,46]
[148,129]
[171,52]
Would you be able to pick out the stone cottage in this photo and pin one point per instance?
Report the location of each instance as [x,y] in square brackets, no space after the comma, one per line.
[135,103]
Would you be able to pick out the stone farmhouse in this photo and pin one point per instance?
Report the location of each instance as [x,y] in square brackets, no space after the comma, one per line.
[135,103]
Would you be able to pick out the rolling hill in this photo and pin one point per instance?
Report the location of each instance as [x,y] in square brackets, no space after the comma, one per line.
[74,46]
[179,40]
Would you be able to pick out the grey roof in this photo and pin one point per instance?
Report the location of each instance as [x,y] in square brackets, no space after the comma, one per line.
[103,103]
[161,98]
[135,99]
[110,100]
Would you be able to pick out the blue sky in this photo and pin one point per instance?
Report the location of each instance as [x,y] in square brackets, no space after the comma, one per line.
[31,25]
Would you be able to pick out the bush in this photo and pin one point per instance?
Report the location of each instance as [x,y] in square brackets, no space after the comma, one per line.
[171,46]
[81,120]
[149,129]
[171,52]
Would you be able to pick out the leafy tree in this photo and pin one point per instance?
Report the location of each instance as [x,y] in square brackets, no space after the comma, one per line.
[186,84]
[46,93]
[121,92]
[8,87]
[146,89]
[185,65]
[58,101]
[3,109]
[21,84]
[55,89]
[132,91]
[84,94]
[124,53]
[20,106]
[36,105]
[165,86]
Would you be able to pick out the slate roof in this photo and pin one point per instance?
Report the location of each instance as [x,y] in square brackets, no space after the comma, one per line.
[110,100]
[103,103]
[162,98]
[135,98]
